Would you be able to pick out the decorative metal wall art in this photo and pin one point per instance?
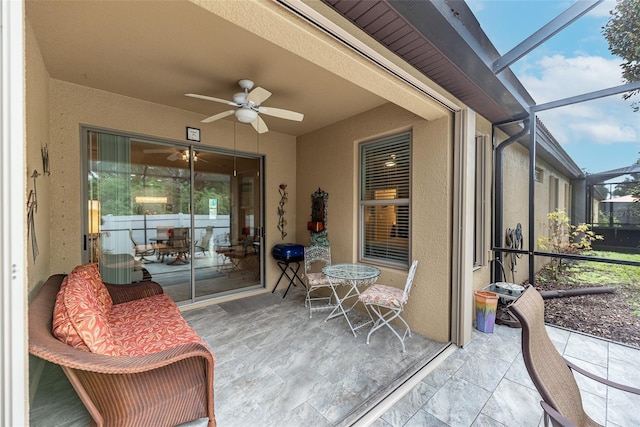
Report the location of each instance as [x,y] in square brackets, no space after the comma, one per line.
[32,208]
[45,160]
[318,224]
[282,189]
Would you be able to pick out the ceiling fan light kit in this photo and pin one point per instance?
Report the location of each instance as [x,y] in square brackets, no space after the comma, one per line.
[249,107]
[246,115]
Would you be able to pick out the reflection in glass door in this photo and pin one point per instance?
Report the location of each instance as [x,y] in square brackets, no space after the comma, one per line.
[182,216]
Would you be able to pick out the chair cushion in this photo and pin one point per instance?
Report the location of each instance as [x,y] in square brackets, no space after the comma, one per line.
[62,327]
[383,295]
[91,274]
[317,279]
[81,316]
[149,325]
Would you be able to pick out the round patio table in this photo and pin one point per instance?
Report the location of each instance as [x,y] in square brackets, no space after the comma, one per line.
[352,276]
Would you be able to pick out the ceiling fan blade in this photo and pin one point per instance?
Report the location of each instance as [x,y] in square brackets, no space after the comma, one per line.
[173,156]
[158,150]
[218,116]
[259,125]
[283,114]
[258,95]
[211,98]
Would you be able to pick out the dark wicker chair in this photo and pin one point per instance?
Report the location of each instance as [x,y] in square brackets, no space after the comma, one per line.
[550,372]
[166,388]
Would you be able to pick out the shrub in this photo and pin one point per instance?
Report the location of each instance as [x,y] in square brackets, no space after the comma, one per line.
[565,238]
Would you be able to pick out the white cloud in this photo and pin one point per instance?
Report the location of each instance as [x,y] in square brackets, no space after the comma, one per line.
[603,9]
[604,121]
[560,77]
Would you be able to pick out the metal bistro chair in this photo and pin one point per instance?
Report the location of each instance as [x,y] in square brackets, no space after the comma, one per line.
[387,303]
[141,250]
[179,244]
[316,280]
[549,371]
[204,244]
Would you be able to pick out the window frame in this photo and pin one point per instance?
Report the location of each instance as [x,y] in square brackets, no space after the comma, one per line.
[404,202]
[539,175]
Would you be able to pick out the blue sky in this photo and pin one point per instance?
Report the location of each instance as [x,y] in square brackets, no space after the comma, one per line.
[599,135]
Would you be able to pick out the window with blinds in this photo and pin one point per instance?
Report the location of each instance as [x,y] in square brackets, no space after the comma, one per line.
[385,196]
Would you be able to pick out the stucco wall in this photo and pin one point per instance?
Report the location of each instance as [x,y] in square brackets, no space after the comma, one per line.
[328,158]
[543,204]
[72,105]
[516,204]
[37,134]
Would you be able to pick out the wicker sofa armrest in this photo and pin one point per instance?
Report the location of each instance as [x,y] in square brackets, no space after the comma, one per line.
[130,292]
[55,351]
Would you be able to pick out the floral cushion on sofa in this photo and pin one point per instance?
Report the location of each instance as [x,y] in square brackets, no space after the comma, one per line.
[84,317]
[63,329]
[81,312]
[149,325]
[91,274]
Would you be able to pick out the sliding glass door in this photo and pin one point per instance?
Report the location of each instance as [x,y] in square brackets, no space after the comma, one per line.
[186,217]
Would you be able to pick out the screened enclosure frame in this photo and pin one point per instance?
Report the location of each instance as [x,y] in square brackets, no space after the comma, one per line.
[529,124]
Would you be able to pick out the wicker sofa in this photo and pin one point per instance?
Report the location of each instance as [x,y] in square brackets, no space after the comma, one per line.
[144,366]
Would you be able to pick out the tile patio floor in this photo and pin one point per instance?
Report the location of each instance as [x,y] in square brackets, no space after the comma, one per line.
[293,372]
[486,384]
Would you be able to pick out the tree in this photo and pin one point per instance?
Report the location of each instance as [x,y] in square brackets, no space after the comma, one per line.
[628,186]
[622,31]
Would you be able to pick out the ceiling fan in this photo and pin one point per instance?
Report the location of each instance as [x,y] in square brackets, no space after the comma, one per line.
[249,106]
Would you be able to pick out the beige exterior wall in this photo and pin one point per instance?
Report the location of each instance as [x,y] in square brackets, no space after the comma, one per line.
[516,204]
[37,134]
[544,204]
[328,159]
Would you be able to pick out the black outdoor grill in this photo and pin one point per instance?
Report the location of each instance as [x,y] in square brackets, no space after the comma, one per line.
[289,256]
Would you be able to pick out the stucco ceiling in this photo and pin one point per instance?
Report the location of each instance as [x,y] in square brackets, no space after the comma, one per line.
[158,51]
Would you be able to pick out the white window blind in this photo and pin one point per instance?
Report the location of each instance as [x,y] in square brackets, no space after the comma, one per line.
[385,190]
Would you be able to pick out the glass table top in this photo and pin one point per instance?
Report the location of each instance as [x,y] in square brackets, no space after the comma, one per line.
[351,271]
